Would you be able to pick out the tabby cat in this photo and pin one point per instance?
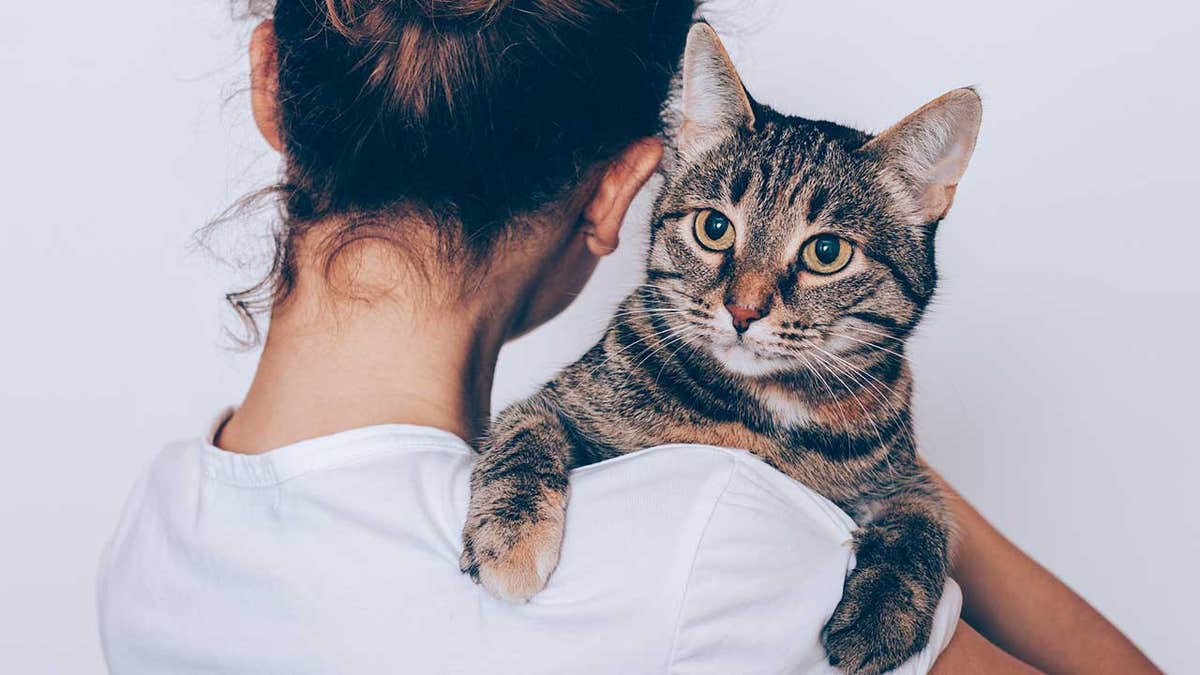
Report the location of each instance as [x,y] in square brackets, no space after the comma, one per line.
[789,261]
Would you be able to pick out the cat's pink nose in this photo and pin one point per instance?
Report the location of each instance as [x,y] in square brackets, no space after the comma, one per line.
[743,316]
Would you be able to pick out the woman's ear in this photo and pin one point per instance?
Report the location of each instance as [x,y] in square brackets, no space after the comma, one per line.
[264,83]
[622,180]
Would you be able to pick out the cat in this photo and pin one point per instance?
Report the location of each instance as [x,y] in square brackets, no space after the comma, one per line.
[789,261]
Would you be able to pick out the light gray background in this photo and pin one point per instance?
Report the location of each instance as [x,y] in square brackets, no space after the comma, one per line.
[1056,374]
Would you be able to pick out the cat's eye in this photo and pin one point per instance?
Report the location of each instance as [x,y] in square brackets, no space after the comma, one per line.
[713,230]
[826,253]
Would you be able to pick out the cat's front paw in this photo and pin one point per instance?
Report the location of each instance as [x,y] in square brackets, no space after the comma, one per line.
[512,556]
[877,625]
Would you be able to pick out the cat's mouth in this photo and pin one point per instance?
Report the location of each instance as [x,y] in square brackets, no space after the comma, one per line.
[746,359]
[754,352]
[765,348]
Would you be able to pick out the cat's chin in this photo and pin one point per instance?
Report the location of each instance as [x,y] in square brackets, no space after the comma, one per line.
[742,360]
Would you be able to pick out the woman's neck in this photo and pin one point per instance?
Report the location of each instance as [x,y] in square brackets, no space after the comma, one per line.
[333,361]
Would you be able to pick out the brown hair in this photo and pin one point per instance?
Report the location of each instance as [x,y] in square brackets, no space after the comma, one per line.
[472,111]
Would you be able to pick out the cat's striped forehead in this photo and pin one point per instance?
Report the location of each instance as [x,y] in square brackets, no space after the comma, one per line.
[787,178]
[782,183]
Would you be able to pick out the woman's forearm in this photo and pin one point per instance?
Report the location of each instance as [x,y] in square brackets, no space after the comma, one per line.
[1027,611]
[970,652]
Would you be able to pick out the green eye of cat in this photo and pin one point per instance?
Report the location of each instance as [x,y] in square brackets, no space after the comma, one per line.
[713,230]
[826,253]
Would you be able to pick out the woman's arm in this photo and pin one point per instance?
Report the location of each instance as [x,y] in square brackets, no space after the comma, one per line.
[970,652]
[1025,610]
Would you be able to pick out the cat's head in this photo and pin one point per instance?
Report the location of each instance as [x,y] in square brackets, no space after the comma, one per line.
[780,243]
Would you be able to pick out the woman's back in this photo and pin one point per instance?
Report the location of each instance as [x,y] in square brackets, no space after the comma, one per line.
[339,554]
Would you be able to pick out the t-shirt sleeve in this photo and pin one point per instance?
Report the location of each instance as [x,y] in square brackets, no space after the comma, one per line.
[767,574]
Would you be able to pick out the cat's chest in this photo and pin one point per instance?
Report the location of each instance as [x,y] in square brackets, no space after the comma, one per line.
[784,408]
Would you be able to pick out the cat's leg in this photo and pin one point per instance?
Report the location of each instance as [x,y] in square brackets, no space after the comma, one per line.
[514,526]
[888,604]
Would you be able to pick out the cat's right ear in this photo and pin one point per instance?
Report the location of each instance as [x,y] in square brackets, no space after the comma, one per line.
[928,151]
[715,103]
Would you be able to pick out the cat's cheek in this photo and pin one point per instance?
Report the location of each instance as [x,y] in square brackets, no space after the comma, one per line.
[835,343]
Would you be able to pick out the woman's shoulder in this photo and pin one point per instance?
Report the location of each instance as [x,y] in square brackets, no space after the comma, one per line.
[765,556]
[693,558]
[759,559]
[728,492]
[721,492]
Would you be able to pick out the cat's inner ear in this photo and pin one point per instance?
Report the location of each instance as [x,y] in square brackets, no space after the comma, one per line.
[929,150]
[714,104]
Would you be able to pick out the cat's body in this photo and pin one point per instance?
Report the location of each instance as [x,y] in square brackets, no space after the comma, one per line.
[789,260]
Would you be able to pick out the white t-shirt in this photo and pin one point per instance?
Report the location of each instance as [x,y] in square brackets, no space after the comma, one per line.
[340,555]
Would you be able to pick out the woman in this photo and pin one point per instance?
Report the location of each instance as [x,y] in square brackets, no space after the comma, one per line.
[454,170]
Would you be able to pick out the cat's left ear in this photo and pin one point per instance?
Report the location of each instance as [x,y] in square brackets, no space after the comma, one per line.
[928,151]
[715,104]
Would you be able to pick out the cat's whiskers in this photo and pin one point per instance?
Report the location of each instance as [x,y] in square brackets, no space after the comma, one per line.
[832,397]
[893,415]
[654,333]
[650,312]
[853,368]
[854,395]
[687,342]
[870,344]
[665,296]
[671,337]
[631,345]
[665,309]
[873,332]
[871,381]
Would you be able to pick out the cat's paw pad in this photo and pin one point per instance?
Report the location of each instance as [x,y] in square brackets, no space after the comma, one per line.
[512,560]
[876,626]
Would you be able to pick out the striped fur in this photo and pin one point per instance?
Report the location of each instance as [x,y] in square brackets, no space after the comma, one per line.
[819,387]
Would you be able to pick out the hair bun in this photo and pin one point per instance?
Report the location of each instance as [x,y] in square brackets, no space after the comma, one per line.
[345,15]
[455,9]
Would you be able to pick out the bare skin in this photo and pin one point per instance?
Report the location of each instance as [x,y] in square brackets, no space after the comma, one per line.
[970,652]
[1025,610]
[403,337]
[353,349]
[389,337]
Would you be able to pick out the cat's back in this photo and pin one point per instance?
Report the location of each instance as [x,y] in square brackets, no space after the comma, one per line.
[340,554]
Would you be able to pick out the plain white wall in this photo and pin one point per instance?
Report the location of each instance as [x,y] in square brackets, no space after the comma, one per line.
[1056,374]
